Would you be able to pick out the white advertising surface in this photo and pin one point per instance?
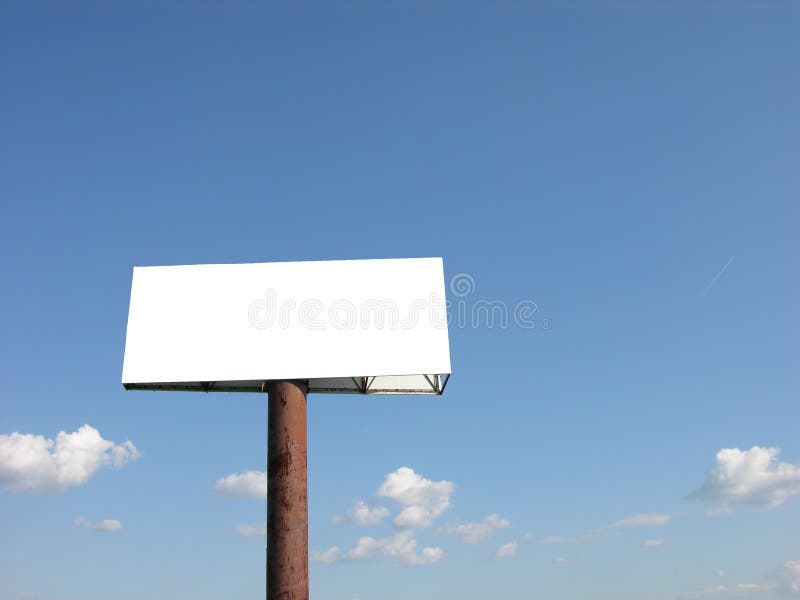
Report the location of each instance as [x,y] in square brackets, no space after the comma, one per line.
[359,326]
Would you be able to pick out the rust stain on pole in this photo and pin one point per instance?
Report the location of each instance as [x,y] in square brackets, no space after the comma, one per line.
[287,492]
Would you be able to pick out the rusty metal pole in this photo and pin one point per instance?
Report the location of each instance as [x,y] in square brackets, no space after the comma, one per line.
[287,492]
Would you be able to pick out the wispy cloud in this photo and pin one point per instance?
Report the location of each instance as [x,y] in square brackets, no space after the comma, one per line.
[719,510]
[362,514]
[506,550]
[612,529]
[255,530]
[329,556]
[28,596]
[587,537]
[782,583]
[640,520]
[738,591]
[788,578]
[474,533]
[104,526]
[717,276]
[560,539]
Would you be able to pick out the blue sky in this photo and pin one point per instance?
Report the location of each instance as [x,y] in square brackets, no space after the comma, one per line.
[630,167]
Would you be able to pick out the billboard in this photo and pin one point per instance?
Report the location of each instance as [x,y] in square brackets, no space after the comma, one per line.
[352,326]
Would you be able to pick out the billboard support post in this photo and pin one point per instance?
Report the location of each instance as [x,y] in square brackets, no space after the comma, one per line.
[287,492]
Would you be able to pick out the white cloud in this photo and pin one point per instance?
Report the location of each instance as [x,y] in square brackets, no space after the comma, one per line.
[641,520]
[104,526]
[597,534]
[366,548]
[737,591]
[430,555]
[782,583]
[35,464]
[474,533]
[400,546]
[753,477]
[256,530]
[559,539]
[561,560]
[329,556]
[29,596]
[422,500]
[716,511]
[363,514]
[752,588]
[789,579]
[507,550]
[403,547]
[653,543]
[250,485]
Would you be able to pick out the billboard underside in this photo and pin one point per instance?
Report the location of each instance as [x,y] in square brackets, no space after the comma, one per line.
[385,384]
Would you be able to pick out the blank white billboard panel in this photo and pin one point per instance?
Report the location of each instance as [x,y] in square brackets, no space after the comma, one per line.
[359,326]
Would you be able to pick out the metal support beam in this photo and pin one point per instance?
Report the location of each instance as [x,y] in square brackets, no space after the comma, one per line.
[287,492]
